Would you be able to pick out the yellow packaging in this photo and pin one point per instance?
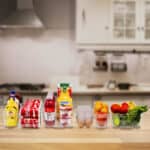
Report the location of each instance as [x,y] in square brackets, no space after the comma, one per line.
[64,101]
[11,113]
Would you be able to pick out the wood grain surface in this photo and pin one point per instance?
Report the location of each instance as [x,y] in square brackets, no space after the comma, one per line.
[75,138]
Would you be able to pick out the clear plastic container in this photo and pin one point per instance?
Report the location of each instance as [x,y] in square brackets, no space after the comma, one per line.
[101,120]
[84,116]
[30,114]
[125,121]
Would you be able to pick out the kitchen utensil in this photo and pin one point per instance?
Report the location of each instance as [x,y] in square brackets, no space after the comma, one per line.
[100,63]
[125,86]
[118,63]
[112,84]
[95,86]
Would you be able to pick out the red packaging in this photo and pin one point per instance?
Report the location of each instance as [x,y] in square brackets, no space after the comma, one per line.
[31,108]
[30,123]
[30,114]
[49,111]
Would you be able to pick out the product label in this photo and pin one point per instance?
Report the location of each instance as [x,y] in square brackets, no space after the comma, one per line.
[49,116]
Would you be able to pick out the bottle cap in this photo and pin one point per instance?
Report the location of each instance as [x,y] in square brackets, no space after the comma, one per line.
[50,96]
[12,93]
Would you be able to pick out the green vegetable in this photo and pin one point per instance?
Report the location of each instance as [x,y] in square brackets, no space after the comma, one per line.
[116,119]
[133,116]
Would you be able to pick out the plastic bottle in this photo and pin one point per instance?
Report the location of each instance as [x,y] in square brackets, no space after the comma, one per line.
[11,113]
[64,105]
[12,95]
[49,111]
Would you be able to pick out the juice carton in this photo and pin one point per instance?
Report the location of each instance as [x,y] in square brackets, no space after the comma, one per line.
[64,105]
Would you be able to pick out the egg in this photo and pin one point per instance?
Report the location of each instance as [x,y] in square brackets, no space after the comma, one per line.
[88,123]
[80,124]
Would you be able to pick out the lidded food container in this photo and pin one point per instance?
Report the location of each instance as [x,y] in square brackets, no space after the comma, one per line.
[30,114]
[101,114]
[127,115]
[84,116]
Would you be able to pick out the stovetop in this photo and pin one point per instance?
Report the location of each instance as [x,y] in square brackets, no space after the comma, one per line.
[23,86]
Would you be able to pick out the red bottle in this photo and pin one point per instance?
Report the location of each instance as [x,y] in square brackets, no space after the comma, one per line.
[49,111]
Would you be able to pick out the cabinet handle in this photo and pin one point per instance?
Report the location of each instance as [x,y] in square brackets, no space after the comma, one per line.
[138,28]
[83,16]
[106,27]
[142,28]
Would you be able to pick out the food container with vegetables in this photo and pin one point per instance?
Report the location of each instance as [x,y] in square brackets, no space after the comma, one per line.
[127,115]
[101,114]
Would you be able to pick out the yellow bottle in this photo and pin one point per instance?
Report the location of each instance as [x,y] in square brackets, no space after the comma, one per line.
[11,113]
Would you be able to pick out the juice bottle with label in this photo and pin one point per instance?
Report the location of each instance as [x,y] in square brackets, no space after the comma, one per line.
[64,105]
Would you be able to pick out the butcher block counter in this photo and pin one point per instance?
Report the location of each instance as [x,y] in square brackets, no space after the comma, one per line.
[75,138]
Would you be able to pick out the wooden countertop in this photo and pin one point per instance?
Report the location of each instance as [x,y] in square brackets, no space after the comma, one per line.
[76,135]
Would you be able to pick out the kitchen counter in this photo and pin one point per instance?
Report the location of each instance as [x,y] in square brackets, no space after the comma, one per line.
[43,138]
[135,91]
[83,90]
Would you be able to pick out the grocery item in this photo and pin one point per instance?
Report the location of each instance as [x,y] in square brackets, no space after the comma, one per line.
[128,116]
[14,96]
[84,116]
[101,114]
[64,105]
[30,114]
[131,105]
[49,111]
[115,108]
[11,113]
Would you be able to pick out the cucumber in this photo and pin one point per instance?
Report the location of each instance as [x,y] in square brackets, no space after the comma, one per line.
[116,119]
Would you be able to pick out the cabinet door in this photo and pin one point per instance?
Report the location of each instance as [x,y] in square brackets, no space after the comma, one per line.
[124,21]
[145,21]
[92,21]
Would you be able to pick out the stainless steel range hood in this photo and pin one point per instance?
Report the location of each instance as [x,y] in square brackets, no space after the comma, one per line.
[23,16]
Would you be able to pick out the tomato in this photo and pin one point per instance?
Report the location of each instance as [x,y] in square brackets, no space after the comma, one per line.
[115,108]
[124,108]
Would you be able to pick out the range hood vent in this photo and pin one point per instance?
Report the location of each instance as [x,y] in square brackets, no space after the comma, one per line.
[24,16]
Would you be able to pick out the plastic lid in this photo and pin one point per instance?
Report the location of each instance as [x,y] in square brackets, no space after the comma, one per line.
[13,92]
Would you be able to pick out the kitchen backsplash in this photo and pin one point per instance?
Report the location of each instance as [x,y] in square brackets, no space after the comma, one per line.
[138,69]
[46,55]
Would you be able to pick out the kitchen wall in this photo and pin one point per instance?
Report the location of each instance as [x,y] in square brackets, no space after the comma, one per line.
[48,55]
[41,55]
[36,56]
[138,69]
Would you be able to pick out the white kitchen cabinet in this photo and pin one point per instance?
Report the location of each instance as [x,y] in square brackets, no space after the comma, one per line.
[112,22]
[130,21]
[145,21]
[92,21]
[124,21]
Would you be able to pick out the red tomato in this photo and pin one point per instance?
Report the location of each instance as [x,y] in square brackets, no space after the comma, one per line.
[115,108]
[124,108]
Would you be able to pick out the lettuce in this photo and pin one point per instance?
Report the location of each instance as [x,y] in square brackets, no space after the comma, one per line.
[133,116]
